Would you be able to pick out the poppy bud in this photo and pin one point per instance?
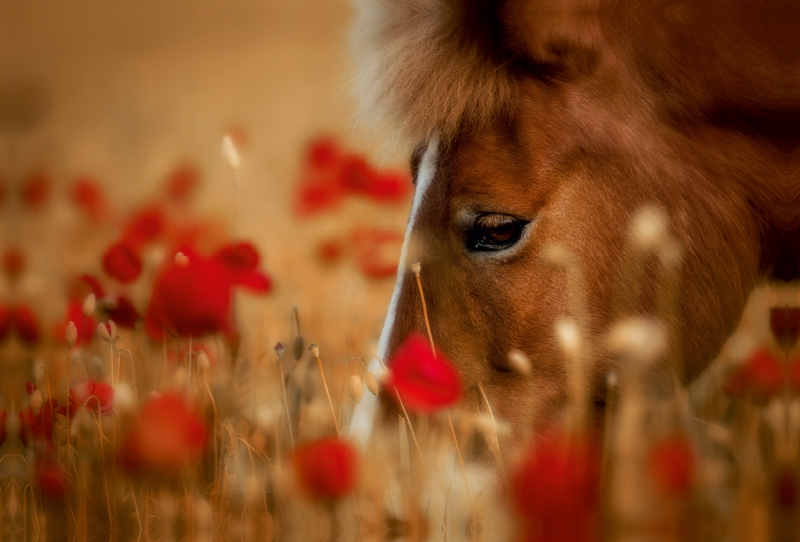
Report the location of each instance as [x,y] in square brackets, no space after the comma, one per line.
[279,350]
[72,334]
[89,305]
[314,350]
[355,388]
[415,267]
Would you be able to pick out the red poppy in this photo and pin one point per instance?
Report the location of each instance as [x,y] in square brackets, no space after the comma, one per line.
[25,322]
[87,195]
[122,262]
[3,434]
[51,480]
[785,325]
[5,322]
[94,285]
[145,226]
[166,436]
[13,263]
[326,469]
[36,191]
[37,431]
[377,252]
[425,382]
[86,326]
[555,489]
[123,313]
[759,378]
[241,261]
[95,396]
[182,182]
[330,250]
[671,465]
[359,177]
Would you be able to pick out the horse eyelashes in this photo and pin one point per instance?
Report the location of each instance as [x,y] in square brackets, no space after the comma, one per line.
[494,232]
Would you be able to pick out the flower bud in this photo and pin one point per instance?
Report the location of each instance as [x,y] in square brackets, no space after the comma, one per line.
[89,305]
[72,334]
[314,350]
[279,350]
[415,267]
[355,388]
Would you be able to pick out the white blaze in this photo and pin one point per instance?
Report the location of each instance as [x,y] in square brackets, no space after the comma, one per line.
[361,424]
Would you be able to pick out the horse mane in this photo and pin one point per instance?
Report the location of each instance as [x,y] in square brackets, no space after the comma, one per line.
[429,65]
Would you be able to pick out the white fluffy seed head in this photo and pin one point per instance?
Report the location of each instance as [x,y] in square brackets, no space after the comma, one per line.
[569,337]
[37,400]
[649,227]
[89,305]
[637,338]
[72,333]
[181,259]
[519,362]
[355,388]
[230,153]
[314,350]
[372,383]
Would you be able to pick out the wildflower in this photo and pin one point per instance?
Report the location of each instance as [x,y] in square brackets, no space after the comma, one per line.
[355,388]
[87,195]
[123,312]
[377,251]
[36,430]
[144,227]
[759,378]
[95,396]
[93,284]
[326,469]
[182,182]
[84,327]
[555,489]
[330,250]
[426,382]
[241,261]
[36,191]
[122,262]
[5,322]
[3,433]
[22,320]
[50,480]
[671,465]
[166,436]
[13,263]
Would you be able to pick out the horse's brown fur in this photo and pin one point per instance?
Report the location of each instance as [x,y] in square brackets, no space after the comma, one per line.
[575,113]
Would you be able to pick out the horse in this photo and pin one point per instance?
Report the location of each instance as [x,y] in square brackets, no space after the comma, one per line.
[542,122]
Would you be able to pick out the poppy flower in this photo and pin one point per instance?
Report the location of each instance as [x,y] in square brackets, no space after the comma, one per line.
[51,480]
[330,250]
[326,469]
[94,285]
[85,326]
[241,261]
[122,262]
[123,313]
[145,226]
[182,182]
[167,436]
[759,378]
[25,323]
[36,431]
[95,396]
[36,191]
[426,383]
[555,489]
[5,322]
[13,263]
[87,195]
[3,434]
[784,322]
[359,177]
[671,465]
[377,252]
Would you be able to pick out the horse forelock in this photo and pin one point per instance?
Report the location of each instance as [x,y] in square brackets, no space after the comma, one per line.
[362,421]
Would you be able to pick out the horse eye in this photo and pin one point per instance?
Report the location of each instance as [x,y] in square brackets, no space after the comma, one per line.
[494,232]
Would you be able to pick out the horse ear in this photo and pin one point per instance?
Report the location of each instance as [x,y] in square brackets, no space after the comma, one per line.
[557,38]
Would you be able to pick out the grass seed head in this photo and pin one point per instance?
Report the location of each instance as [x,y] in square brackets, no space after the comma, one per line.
[102,330]
[314,349]
[637,338]
[372,383]
[37,400]
[355,387]
[415,267]
[71,334]
[89,305]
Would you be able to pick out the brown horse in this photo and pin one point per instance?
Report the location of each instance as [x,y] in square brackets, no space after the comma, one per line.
[552,121]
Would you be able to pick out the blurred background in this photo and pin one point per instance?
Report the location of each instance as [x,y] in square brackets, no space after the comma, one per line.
[119,96]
